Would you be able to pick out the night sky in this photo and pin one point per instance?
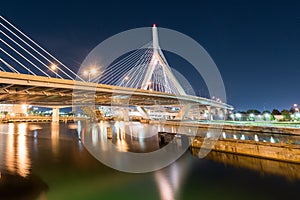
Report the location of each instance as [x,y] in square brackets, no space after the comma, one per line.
[255,44]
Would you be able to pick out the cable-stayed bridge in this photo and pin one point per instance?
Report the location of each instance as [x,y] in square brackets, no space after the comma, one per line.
[30,74]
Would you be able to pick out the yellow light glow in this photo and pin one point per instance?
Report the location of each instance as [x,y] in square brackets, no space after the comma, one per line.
[24,106]
[85,73]
[93,71]
[53,66]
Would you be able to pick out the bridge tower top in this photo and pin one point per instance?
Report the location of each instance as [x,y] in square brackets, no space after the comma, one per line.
[155,37]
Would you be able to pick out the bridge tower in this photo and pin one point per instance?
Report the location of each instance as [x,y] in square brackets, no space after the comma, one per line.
[158,59]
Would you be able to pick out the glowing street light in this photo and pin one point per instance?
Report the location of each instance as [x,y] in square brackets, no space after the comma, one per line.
[93,71]
[54,68]
[90,72]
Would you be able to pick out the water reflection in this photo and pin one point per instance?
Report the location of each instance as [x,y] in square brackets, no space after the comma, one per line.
[133,137]
[22,157]
[121,143]
[289,170]
[16,153]
[169,181]
[78,175]
[14,186]
[55,138]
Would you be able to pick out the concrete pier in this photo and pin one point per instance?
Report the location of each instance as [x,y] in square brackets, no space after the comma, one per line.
[55,114]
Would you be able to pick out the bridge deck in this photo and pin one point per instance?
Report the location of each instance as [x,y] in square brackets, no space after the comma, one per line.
[39,90]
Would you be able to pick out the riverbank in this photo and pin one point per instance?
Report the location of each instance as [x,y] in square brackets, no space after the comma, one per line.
[270,142]
[276,128]
[274,151]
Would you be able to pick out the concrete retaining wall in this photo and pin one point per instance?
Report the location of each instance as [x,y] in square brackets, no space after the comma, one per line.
[283,152]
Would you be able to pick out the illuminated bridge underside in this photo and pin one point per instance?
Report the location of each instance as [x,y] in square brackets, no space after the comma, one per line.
[45,91]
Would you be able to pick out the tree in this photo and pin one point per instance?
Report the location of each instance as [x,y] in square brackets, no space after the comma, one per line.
[286,115]
[266,111]
[292,110]
[254,111]
[276,112]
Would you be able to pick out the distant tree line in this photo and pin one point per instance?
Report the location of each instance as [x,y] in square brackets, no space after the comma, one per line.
[286,114]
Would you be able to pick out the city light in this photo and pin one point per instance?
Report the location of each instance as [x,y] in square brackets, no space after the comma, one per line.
[91,71]
[24,106]
[53,66]
[238,115]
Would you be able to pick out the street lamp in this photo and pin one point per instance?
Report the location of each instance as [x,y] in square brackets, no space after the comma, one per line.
[54,68]
[90,72]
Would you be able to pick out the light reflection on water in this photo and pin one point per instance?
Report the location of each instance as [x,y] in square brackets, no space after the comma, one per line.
[54,153]
[55,138]
[17,156]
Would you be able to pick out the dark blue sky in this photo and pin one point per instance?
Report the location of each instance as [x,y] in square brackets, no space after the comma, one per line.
[255,44]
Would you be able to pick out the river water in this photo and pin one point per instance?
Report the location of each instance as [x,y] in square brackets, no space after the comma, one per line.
[49,161]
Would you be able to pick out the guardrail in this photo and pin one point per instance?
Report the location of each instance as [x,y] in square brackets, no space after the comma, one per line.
[38,119]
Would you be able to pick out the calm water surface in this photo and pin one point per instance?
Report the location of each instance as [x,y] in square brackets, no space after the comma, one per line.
[48,161]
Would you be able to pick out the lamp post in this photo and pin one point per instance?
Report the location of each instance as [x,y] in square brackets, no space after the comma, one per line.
[296,107]
[90,72]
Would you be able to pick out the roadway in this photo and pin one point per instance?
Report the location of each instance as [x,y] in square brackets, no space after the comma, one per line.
[44,91]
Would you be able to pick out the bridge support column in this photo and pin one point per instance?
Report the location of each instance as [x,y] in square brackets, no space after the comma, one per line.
[209,115]
[125,112]
[220,114]
[55,114]
[183,112]
[143,112]
[224,114]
